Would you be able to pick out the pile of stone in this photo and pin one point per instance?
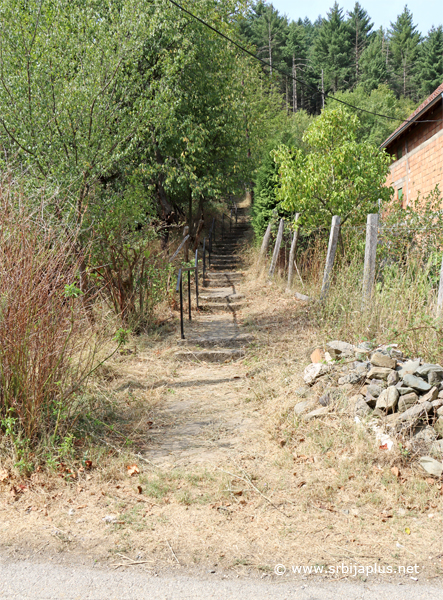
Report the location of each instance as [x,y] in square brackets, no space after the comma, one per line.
[406,394]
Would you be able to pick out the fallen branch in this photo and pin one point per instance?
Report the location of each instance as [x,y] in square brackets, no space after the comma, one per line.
[173,553]
[248,481]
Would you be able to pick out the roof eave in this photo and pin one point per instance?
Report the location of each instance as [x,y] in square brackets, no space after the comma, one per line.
[411,121]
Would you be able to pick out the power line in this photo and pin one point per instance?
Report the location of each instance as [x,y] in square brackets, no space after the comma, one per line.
[287,74]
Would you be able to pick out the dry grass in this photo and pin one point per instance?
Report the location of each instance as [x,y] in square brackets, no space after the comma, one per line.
[287,491]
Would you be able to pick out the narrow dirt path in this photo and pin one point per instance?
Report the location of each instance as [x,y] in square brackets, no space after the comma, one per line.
[209,422]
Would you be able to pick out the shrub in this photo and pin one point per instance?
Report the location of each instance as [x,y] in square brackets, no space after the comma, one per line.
[45,355]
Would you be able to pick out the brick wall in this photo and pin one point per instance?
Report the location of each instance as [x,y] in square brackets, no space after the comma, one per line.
[420,167]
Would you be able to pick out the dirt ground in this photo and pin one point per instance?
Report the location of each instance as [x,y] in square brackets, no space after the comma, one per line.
[220,474]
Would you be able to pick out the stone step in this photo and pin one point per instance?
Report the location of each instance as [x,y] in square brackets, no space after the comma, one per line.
[224,256]
[221,297]
[222,306]
[224,266]
[223,278]
[219,356]
[233,341]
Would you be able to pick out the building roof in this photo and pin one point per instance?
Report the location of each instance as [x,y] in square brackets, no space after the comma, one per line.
[418,112]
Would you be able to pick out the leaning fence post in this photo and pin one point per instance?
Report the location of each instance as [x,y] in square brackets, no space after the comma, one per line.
[440,293]
[277,247]
[370,255]
[292,252]
[332,249]
[265,243]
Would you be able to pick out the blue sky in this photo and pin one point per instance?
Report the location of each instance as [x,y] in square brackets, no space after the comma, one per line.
[426,12]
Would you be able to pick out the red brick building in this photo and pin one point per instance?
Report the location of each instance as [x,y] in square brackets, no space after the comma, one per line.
[417,146]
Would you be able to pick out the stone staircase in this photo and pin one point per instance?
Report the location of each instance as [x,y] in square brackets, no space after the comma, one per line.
[215,334]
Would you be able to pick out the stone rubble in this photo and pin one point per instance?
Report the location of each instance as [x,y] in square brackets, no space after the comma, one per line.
[405,395]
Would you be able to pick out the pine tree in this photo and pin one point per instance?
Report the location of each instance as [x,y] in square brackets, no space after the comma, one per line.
[404,42]
[430,73]
[373,67]
[360,26]
[296,51]
[268,32]
[331,50]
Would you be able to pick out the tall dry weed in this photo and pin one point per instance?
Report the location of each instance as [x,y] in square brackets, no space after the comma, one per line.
[44,353]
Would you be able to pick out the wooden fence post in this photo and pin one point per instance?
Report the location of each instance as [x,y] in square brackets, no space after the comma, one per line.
[440,293]
[277,247]
[370,255]
[332,249]
[186,235]
[265,243]
[292,252]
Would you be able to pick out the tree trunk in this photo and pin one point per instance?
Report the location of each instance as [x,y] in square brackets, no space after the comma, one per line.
[294,85]
[270,48]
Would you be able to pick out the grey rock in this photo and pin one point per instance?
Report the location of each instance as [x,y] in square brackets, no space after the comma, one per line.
[302,297]
[383,360]
[437,447]
[440,394]
[440,412]
[368,346]
[339,349]
[361,408]
[302,407]
[406,401]
[303,391]
[398,354]
[416,383]
[404,390]
[393,378]
[379,373]
[371,401]
[314,371]
[409,367]
[374,390]
[436,404]
[319,412]
[354,377]
[378,412]
[388,399]
[392,419]
[425,434]
[431,466]
[433,373]
[378,382]
[430,396]
[438,426]
[416,412]
[362,367]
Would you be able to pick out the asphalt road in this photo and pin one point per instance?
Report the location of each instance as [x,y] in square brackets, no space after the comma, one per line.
[28,580]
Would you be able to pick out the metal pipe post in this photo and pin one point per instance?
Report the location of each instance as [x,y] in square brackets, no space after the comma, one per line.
[189,294]
[180,287]
[196,277]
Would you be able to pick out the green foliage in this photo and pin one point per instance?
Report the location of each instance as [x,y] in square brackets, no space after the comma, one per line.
[332,49]
[430,70]
[338,176]
[404,41]
[381,100]
[359,27]
[414,231]
[266,179]
[373,63]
